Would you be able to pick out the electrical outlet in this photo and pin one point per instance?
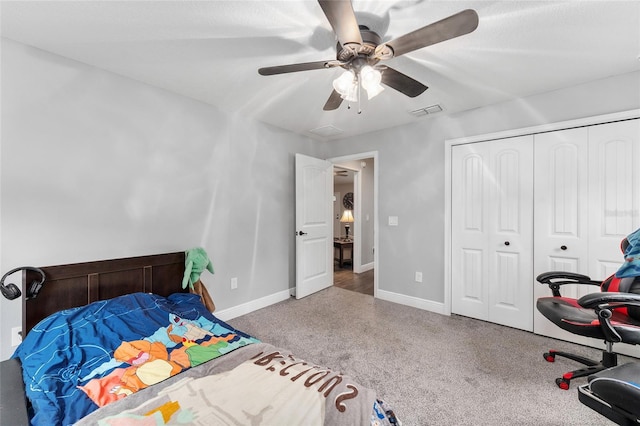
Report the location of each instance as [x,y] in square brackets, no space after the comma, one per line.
[234,283]
[16,336]
[418,277]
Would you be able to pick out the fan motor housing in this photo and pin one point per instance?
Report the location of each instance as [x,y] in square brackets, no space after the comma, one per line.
[370,40]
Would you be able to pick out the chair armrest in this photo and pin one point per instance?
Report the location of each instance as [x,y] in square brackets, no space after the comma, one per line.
[13,403]
[609,299]
[603,304]
[554,279]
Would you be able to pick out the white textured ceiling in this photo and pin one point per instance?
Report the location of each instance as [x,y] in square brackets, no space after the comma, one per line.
[211,51]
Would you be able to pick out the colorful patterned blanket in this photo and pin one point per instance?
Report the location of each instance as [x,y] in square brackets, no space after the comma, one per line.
[258,384]
[80,359]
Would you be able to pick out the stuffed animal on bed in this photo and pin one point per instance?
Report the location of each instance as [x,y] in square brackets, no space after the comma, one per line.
[195,263]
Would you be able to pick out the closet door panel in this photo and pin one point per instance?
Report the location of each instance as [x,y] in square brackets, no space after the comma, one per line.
[472,280]
[469,230]
[492,191]
[561,214]
[614,192]
[511,233]
[614,198]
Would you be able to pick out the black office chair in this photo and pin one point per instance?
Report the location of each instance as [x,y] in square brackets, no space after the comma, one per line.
[614,393]
[613,314]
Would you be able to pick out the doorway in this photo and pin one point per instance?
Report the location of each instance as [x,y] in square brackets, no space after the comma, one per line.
[355,238]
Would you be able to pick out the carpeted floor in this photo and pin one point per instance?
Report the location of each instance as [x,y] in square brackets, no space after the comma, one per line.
[433,369]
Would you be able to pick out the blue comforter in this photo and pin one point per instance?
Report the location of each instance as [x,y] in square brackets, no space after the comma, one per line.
[79,359]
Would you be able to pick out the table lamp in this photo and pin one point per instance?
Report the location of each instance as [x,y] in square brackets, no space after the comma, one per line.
[347,218]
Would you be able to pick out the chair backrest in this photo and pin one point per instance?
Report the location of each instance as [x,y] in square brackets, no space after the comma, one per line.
[630,281]
[623,285]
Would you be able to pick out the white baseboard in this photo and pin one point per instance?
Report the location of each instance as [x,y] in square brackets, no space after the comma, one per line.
[415,302]
[254,305]
[367,267]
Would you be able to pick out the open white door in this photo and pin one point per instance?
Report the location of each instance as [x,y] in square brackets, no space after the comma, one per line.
[314,225]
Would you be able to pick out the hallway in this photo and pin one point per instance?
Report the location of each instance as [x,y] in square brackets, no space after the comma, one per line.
[346,279]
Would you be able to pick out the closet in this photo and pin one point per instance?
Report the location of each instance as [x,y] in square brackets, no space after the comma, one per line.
[552,199]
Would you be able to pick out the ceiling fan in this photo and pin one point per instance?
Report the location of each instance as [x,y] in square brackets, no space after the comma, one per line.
[359,50]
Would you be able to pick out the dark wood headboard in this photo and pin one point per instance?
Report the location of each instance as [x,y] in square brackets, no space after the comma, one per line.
[78,284]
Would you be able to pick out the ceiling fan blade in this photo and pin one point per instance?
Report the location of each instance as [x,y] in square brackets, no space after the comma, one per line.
[402,83]
[343,20]
[304,66]
[333,102]
[454,26]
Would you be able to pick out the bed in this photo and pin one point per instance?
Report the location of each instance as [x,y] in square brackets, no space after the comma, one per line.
[119,341]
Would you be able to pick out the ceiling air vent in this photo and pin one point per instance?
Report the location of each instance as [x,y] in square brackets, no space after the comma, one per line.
[427,110]
[326,131]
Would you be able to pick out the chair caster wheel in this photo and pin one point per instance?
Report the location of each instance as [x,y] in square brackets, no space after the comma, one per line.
[562,383]
[549,356]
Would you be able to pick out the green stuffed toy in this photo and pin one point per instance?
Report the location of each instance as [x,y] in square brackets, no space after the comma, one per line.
[196,261]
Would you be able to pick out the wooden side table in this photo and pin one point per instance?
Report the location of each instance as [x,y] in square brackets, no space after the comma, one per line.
[341,244]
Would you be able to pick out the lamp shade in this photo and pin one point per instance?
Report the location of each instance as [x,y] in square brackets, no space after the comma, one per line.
[371,79]
[347,217]
[343,83]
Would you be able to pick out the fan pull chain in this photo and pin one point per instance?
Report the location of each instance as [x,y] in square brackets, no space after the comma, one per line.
[359,93]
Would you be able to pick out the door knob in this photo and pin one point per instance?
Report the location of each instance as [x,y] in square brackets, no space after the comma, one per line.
[563,247]
[301,233]
[506,243]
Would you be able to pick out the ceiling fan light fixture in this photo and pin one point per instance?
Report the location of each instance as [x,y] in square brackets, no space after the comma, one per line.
[369,75]
[371,81]
[352,95]
[344,83]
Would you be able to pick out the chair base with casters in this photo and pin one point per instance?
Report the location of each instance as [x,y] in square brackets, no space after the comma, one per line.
[609,359]
[614,393]
[603,315]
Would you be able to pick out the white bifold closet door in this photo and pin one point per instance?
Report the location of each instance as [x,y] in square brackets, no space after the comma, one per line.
[562,216]
[587,200]
[492,231]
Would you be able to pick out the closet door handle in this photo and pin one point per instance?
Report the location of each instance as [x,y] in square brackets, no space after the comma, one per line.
[301,233]
[506,243]
[563,247]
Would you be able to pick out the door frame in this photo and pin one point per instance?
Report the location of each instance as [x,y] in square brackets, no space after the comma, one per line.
[357,182]
[357,229]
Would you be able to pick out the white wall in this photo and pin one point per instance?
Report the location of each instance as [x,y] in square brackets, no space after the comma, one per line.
[96,166]
[411,174]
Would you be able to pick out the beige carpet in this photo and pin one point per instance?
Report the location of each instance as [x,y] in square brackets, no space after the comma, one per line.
[433,369]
